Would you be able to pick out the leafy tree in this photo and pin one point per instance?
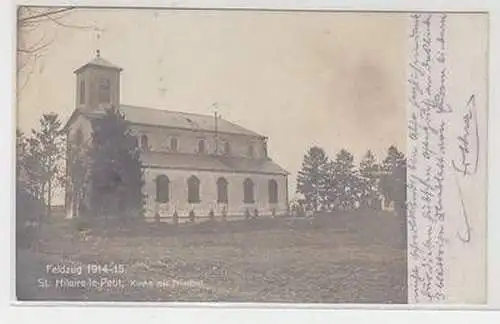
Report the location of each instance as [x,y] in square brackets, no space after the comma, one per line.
[115,168]
[343,182]
[51,141]
[29,166]
[312,179]
[28,206]
[21,148]
[368,180]
[393,181]
[39,159]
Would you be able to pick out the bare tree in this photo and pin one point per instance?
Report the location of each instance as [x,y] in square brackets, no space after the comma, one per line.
[33,39]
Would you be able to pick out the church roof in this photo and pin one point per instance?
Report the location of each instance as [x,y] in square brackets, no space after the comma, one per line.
[211,163]
[99,62]
[170,119]
[182,120]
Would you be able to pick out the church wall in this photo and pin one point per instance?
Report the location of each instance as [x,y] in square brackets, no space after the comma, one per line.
[159,140]
[178,194]
[84,125]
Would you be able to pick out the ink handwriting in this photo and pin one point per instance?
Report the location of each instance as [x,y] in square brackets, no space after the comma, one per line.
[468,141]
[464,238]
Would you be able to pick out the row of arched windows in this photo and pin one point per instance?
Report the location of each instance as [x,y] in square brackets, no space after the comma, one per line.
[193,184]
[174,144]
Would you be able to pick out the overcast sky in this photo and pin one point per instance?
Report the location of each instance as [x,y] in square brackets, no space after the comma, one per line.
[336,80]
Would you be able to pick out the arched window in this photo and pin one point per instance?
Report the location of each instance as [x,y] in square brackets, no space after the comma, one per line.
[248,195]
[201,146]
[227,148]
[250,150]
[162,189]
[78,137]
[273,191]
[82,92]
[144,142]
[222,190]
[173,144]
[104,94]
[193,190]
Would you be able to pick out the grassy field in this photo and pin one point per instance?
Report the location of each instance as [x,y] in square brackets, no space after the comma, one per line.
[339,258]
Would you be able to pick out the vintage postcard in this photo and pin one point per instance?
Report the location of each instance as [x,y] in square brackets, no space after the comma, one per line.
[251,156]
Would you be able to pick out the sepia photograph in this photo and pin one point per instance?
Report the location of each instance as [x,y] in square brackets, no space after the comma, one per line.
[202,155]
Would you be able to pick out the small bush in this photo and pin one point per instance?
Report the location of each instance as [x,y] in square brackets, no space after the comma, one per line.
[29,212]
[82,224]
[192,216]
[175,218]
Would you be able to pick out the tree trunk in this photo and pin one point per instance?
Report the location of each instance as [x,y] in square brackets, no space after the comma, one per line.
[49,199]
[39,219]
[42,197]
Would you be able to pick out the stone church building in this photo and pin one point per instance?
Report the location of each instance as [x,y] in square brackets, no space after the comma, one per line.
[192,163]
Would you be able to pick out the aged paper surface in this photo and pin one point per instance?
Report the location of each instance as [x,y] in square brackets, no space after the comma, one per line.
[447,110]
[250,156]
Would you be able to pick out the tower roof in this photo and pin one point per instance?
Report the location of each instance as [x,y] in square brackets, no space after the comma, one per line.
[98,61]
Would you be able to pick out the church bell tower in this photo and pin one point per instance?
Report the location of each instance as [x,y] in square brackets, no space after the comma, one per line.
[97,85]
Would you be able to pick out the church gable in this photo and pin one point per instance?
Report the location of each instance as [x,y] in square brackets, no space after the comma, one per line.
[78,121]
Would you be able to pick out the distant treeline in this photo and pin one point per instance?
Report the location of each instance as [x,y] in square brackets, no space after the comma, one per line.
[338,184]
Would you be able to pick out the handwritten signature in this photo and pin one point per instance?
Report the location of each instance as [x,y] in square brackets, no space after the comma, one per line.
[468,141]
[468,144]
[464,237]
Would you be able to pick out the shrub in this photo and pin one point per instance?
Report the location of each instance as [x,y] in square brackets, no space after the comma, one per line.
[29,212]
[192,216]
[82,224]
[224,214]
[175,218]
